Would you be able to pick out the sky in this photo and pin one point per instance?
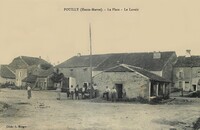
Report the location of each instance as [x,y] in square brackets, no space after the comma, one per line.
[42,28]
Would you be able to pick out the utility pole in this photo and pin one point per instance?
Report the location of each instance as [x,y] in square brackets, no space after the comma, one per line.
[90,33]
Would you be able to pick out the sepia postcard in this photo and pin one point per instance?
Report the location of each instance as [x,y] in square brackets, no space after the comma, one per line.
[99,65]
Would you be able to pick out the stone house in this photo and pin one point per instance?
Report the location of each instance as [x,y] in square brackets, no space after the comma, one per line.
[160,63]
[186,73]
[135,81]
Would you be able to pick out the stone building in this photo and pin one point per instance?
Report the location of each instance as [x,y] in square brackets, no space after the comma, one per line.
[135,81]
[186,73]
[78,67]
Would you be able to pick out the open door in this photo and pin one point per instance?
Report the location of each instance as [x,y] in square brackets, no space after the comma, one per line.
[119,88]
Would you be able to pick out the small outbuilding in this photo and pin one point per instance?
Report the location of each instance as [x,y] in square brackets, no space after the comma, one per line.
[134,81]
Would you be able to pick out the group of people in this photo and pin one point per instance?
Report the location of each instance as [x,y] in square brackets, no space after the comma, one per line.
[112,94]
[84,92]
[80,92]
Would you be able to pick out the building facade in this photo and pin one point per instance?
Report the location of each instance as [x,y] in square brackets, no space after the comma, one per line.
[186,73]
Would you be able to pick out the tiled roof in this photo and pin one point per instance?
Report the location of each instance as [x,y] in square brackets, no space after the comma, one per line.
[102,62]
[142,60]
[83,61]
[25,61]
[193,61]
[33,60]
[128,68]
[6,72]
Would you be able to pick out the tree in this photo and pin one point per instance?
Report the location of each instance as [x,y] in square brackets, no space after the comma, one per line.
[45,66]
[57,77]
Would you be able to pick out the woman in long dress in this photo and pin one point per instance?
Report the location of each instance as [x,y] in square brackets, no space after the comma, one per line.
[58,91]
[29,91]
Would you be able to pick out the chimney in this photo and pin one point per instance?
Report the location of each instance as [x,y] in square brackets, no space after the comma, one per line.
[188,53]
[156,55]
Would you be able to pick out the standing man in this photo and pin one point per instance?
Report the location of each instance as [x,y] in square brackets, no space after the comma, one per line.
[95,90]
[67,92]
[113,94]
[29,91]
[77,92]
[107,93]
[72,91]
[124,93]
[83,91]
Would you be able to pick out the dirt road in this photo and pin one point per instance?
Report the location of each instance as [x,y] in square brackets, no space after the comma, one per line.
[44,112]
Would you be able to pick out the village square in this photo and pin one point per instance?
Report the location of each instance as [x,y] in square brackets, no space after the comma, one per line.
[99,65]
[148,90]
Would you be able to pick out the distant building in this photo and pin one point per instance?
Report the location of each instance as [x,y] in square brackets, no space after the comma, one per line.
[135,81]
[41,80]
[24,66]
[186,73]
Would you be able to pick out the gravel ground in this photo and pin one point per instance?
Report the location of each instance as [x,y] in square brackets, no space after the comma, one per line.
[44,112]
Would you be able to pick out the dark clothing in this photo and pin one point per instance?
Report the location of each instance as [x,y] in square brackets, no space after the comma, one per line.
[95,93]
[67,92]
[72,94]
[113,97]
[76,93]
[29,94]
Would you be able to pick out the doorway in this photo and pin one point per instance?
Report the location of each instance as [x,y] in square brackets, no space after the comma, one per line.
[194,87]
[119,88]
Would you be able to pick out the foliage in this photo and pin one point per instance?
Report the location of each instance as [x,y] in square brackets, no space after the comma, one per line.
[57,77]
[7,85]
[194,94]
[196,125]
[45,66]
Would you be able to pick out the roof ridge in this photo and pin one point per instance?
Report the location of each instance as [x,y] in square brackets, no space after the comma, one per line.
[131,53]
[144,70]
[10,69]
[126,66]
[23,60]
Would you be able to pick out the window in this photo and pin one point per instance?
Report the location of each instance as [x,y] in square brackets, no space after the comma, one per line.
[180,75]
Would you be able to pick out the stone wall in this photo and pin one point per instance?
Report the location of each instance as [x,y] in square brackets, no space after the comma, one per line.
[81,74]
[189,77]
